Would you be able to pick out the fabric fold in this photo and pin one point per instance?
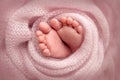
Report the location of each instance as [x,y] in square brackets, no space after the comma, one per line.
[21,45]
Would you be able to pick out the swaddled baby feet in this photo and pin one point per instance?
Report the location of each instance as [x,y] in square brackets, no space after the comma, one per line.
[62,39]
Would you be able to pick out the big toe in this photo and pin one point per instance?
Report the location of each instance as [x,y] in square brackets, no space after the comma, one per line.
[55,24]
[44,27]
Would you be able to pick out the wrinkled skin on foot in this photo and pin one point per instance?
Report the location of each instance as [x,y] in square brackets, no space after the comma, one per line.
[110,8]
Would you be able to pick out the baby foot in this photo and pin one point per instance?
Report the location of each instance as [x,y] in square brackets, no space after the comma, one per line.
[50,43]
[69,30]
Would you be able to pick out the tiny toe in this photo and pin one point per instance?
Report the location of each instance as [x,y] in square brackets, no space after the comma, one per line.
[55,24]
[42,46]
[79,29]
[41,38]
[75,23]
[39,33]
[63,19]
[69,20]
[46,52]
[44,27]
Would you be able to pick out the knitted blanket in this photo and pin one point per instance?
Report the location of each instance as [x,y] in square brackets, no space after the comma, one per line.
[20,58]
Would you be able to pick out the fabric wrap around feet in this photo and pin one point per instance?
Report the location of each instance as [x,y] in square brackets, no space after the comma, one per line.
[23,51]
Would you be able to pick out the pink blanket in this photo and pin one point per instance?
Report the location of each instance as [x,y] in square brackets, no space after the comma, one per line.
[96,59]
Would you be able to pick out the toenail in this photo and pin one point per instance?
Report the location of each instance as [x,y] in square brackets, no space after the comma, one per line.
[44,27]
[75,23]
[69,20]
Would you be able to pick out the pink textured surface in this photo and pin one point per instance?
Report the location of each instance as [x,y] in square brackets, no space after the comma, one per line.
[96,59]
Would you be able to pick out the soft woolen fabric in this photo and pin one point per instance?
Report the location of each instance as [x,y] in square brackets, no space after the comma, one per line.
[21,46]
